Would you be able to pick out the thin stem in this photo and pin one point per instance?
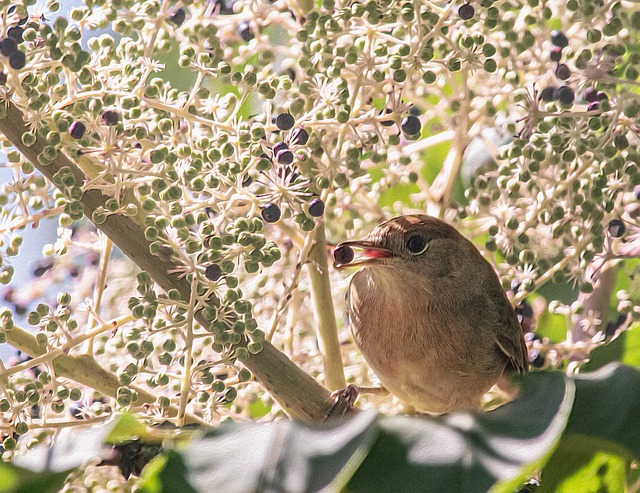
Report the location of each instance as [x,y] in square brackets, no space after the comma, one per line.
[100,285]
[324,313]
[186,377]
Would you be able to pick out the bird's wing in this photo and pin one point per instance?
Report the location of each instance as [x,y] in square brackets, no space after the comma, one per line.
[511,340]
[513,346]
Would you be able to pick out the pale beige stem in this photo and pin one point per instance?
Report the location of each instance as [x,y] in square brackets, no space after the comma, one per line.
[324,313]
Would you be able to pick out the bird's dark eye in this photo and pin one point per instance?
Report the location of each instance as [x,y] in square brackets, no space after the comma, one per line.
[416,244]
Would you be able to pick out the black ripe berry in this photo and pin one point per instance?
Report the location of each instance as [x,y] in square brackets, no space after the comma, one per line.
[3,78]
[591,95]
[244,30]
[8,46]
[213,272]
[466,11]
[18,60]
[411,125]
[284,121]
[565,95]
[178,17]
[271,213]
[559,39]
[284,156]
[299,137]
[616,228]
[316,208]
[601,96]
[279,146]
[77,130]
[15,33]
[595,106]
[548,94]
[387,123]
[556,54]
[563,72]
[110,118]
[343,254]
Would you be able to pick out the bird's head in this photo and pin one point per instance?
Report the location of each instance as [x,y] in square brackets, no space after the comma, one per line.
[407,245]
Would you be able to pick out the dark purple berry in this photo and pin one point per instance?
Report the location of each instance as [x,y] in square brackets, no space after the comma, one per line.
[415,111]
[42,269]
[593,106]
[279,146]
[387,123]
[244,30]
[316,208]
[466,11]
[590,95]
[110,118]
[271,213]
[284,121]
[548,94]
[556,54]
[20,309]
[411,125]
[213,272]
[225,6]
[559,39]
[178,17]
[565,95]
[292,74]
[247,181]
[77,130]
[18,60]
[616,228]
[563,72]
[15,33]
[601,96]
[343,254]
[3,78]
[8,46]
[285,156]
[299,137]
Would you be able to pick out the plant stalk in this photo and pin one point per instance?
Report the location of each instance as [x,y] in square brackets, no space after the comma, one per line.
[324,313]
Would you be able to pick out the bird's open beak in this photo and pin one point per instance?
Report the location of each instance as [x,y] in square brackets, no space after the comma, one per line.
[367,253]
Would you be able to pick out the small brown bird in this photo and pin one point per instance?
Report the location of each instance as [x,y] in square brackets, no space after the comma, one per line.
[429,314]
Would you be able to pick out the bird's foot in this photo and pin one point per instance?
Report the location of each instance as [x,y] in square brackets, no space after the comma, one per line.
[342,401]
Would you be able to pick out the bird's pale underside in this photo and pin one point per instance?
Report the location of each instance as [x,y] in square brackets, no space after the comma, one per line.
[430,316]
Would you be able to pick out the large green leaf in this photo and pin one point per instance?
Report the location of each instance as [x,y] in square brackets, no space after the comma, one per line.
[586,465]
[462,452]
[279,456]
[14,479]
[625,348]
[602,434]
[469,452]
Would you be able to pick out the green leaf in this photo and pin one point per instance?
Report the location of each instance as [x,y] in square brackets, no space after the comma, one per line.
[602,434]
[168,473]
[126,428]
[279,456]
[624,348]
[586,465]
[14,479]
[72,448]
[469,452]
[552,326]
[462,452]
[607,406]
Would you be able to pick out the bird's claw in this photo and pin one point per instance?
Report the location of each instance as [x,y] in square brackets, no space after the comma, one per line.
[342,401]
